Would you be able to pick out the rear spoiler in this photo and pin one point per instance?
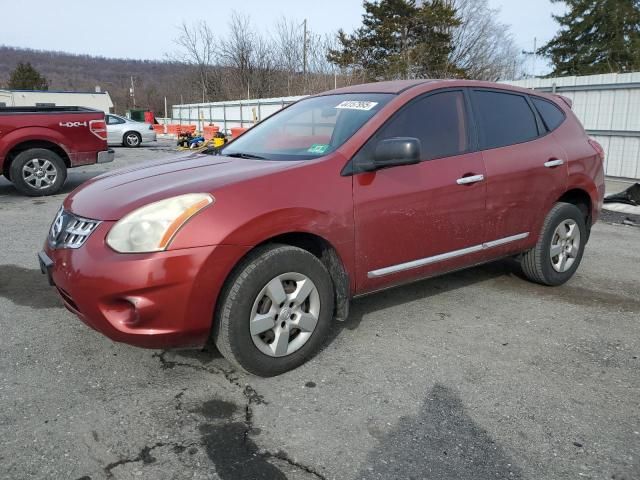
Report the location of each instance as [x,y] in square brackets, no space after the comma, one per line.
[566,100]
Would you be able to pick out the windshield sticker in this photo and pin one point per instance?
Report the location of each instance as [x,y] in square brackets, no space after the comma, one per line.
[318,148]
[357,105]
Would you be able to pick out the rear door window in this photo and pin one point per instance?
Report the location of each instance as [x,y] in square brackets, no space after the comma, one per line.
[551,115]
[503,118]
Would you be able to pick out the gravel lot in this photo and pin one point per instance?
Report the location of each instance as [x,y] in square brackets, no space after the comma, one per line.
[474,375]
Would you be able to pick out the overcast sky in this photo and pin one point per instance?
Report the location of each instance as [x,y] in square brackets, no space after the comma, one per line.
[145,29]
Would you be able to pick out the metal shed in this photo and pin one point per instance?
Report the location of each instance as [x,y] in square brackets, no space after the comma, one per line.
[609,107]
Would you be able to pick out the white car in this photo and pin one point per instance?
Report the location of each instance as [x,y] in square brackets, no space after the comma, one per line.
[126,132]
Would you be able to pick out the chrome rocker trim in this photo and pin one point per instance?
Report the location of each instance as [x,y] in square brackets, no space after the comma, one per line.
[381,272]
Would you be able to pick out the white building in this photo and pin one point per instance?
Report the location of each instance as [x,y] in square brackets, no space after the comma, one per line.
[608,106]
[32,98]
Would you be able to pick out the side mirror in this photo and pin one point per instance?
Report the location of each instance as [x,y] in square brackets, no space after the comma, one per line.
[396,151]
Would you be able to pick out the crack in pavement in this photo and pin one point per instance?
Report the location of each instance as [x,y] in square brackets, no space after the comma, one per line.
[145,456]
[252,397]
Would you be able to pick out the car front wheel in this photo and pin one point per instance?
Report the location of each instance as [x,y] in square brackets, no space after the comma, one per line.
[275,311]
[560,247]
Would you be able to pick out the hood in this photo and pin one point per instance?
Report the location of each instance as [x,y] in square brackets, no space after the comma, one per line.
[112,195]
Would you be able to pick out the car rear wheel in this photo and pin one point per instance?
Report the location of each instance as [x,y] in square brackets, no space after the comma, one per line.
[132,139]
[275,311]
[38,172]
[560,247]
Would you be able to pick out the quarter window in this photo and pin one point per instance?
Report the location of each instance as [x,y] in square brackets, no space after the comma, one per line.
[111,120]
[551,115]
[437,120]
[503,118]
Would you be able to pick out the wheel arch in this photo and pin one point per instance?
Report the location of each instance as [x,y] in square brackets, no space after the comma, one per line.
[29,144]
[581,199]
[325,252]
[329,256]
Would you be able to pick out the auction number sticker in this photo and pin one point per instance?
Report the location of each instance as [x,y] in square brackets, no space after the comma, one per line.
[357,105]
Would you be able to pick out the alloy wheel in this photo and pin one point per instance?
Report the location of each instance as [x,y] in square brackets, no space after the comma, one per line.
[133,140]
[565,245]
[39,174]
[284,314]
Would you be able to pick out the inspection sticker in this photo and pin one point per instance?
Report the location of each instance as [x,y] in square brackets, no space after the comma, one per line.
[318,148]
[357,105]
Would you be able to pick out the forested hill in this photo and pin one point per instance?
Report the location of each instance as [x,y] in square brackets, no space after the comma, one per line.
[64,71]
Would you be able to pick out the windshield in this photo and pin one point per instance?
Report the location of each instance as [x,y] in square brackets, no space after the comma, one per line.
[308,129]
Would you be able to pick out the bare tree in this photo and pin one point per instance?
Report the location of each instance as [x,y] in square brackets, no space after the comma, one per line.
[247,63]
[238,53]
[289,45]
[483,47]
[198,49]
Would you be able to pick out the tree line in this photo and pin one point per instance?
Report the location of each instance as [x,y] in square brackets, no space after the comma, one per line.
[397,39]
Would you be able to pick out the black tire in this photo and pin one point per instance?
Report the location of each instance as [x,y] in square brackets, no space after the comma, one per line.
[131,140]
[231,331]
[55,165]
[537,263]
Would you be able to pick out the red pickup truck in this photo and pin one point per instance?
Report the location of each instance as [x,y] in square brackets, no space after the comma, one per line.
[39,144]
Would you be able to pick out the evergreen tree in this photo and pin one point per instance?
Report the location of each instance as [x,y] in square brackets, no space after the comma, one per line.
[25,77]
[400,39]
[596,36]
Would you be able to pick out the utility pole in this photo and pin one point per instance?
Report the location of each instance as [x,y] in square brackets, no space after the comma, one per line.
[304,58]
[165,115]
[533,53]
[132,91]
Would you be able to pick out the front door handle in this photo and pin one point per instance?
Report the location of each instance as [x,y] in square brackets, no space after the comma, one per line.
[556,162]
[470,179]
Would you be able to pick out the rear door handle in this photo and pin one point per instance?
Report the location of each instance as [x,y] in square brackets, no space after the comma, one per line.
[470,179]
[556,162]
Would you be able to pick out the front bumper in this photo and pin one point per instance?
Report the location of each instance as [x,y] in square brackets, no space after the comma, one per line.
[106,156]
[158,300]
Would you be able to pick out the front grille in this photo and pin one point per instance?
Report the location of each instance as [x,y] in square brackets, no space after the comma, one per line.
[70,231]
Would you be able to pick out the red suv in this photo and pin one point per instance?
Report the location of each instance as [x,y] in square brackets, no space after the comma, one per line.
[344,193]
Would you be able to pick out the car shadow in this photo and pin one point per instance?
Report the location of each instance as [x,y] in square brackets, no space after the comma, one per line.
[440,442]
[424,289]
[27,287]
[393,297]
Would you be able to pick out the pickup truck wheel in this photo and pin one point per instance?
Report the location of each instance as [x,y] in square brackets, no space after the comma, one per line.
[37,172]
[558,253]
[132,139]
[275,311]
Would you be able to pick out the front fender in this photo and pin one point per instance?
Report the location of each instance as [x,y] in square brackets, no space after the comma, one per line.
[212,228]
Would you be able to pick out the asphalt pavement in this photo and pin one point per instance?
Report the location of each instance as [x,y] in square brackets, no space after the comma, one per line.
[474,375]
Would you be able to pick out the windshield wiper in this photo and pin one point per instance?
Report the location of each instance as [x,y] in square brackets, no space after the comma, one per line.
[244,155]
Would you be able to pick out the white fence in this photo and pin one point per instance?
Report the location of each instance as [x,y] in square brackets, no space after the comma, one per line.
[609,108]
[236,113]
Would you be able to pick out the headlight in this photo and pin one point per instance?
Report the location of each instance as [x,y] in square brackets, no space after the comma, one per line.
[152,227]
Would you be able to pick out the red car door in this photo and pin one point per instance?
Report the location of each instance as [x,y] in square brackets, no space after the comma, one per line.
[417,220]
[526,168]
